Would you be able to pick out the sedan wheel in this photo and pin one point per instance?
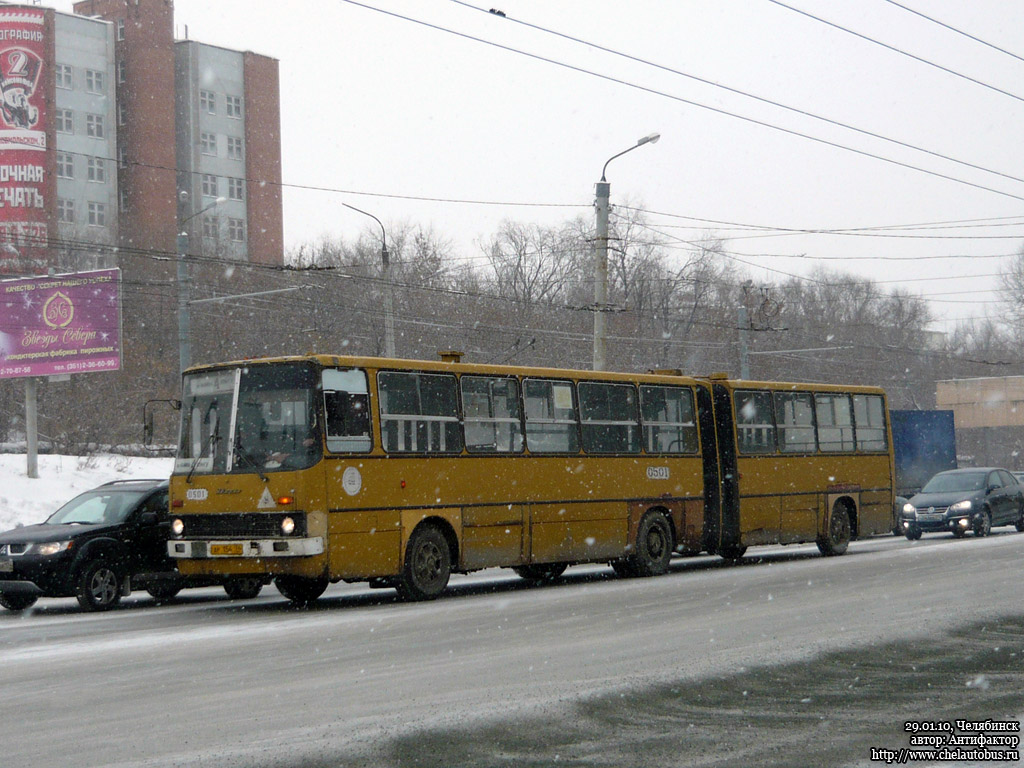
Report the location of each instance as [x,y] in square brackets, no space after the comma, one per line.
[983,523]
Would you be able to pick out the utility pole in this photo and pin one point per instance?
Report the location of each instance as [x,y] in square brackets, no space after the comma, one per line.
[743,324]
[602,206]
[389,308]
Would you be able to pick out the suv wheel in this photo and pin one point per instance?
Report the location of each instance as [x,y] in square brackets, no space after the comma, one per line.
[99,586]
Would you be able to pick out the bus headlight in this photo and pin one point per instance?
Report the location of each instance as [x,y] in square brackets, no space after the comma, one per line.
[177,526]
[287,526]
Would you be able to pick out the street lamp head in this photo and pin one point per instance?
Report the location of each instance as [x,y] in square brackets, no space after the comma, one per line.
[651,138]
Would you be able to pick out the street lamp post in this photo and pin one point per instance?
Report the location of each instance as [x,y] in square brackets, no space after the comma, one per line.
[389,309]
[184,318]
[601,206]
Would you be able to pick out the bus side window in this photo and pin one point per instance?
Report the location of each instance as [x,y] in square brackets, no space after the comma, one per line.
[419,412]
[551,425]
[346,411]
[755,429]
[608,414]
[835,422]
[669,424]
[490,408]
[869,415]
[794,413]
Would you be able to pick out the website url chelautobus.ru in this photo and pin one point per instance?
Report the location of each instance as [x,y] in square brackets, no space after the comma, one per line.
[955,741]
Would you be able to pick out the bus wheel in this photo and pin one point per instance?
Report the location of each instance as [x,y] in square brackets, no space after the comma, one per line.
[540,572]
[838,538]
[733,551]
[427,565]
[243,588]
[653,548]
[300,590]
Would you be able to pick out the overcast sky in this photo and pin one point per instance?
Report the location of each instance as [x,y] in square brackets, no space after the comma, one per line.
[390,101]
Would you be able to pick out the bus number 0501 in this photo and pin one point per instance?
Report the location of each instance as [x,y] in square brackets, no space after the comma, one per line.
[657,473]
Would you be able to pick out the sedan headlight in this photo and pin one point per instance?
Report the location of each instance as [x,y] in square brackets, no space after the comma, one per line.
[961,506]
[909,509]
[50,547]
[177,526]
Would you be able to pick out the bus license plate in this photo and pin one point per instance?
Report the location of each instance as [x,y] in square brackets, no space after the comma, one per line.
[230,550]
[6,565]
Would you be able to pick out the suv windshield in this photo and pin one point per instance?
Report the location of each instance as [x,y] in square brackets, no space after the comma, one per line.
[95,507]
[959,481]
[271,409]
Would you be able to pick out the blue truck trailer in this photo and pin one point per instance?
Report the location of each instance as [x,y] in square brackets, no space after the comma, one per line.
[924,443]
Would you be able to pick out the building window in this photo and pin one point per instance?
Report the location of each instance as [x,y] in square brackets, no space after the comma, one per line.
[121,113]
[122,71]
[63,76]
[120,29]
[94,81]
[122,156]
[122,198]
[65,165]
[94,126]
[234,148]
[236,189]
[233,106]
[236,230]
[210,228]
[65,121]
[97,214]
[207,103]
[208,143]
[209,185]
[66,211]
[97,169]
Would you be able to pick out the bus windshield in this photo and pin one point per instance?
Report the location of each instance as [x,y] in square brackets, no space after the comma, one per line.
[249,420]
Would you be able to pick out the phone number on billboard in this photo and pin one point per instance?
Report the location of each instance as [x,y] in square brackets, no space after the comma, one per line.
[88,365]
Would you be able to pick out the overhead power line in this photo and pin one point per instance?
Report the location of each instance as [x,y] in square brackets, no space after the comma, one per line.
[954,29]
[901,52]
[746,94]
[682,100]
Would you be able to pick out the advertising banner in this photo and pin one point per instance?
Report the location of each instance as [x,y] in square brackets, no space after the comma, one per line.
[23,125]
[60,324]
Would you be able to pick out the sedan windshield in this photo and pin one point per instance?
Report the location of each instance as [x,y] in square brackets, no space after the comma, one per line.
[955,481]
[96,507]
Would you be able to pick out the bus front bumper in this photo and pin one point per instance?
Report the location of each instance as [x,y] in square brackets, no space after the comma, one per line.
[191,549]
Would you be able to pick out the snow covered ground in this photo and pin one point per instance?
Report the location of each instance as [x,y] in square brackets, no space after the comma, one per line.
[24,500]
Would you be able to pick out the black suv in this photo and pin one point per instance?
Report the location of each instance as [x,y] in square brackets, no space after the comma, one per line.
[98,547]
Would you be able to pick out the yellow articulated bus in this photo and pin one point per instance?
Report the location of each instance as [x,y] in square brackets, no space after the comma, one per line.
[319,468]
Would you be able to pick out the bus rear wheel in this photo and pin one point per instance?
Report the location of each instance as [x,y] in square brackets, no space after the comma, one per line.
[540,572]
[427,565]
[838,537]
[300,590]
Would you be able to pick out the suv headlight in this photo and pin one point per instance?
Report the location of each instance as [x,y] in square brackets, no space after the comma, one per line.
[50,547]
[961,506]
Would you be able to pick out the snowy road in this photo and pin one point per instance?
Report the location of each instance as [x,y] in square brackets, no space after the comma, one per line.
[210,682]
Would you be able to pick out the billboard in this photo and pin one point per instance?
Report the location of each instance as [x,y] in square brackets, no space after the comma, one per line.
[61,324]
[23,127]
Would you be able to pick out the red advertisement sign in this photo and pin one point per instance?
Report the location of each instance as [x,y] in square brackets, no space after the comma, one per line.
[60,324]
[23,124]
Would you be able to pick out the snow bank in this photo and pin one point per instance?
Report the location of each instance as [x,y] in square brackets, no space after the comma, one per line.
[24,500]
